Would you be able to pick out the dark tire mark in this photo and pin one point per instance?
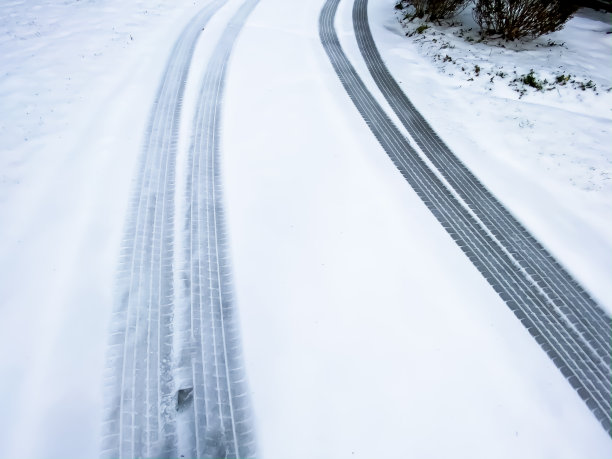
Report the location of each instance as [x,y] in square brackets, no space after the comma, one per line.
[564,292]
[557,336]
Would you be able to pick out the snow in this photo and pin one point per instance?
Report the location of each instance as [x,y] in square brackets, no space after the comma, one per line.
[366,331]
[75,92]
[545,155]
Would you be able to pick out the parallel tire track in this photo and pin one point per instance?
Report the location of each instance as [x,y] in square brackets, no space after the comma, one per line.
[583,369]
[564,292]
[217,414]
[140,396]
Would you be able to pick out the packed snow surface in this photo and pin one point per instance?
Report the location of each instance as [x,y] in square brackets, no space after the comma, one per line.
[366,331]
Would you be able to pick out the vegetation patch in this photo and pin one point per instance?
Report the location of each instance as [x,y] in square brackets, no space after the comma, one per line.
[531,80]
[488,56]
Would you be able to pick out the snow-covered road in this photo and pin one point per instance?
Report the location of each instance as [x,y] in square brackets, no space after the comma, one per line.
[569,325]
[175,377]
[365,330]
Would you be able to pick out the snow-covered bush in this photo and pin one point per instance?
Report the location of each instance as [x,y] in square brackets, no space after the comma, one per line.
[433,10]
[514,19]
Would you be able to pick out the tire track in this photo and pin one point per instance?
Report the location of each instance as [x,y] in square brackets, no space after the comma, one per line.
[564,292]
[215,413]
[140,396]
[583,370]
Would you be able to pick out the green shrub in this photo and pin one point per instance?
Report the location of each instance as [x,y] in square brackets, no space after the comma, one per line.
[531,79]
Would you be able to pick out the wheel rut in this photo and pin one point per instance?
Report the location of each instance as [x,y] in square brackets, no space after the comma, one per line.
[218,418]
[565,321]
[146,397]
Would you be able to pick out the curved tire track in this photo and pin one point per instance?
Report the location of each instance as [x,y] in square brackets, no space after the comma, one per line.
[584,369]
[563,291]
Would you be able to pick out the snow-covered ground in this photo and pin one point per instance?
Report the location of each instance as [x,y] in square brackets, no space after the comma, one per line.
[77,80]
[366,331]
[545,154]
